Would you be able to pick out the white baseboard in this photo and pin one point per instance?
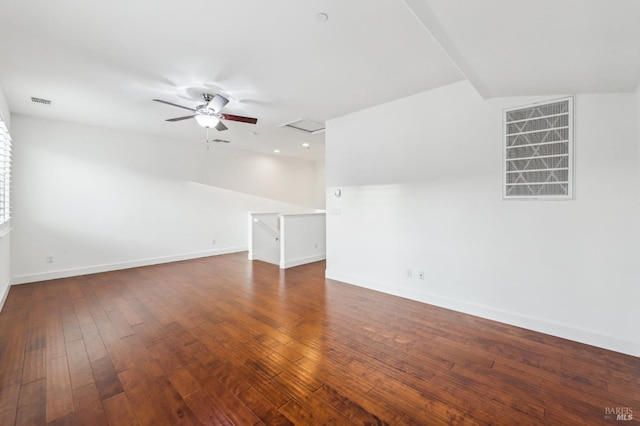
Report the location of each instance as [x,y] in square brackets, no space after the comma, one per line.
[535,324]
[302,261]
[264,259]
[95,269]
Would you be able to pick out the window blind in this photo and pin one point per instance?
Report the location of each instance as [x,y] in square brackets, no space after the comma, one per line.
[5,177]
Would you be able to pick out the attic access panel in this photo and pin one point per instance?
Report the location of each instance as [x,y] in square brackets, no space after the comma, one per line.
[538,151]
[306,125]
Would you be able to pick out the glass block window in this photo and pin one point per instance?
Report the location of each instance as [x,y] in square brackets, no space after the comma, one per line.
[538,150]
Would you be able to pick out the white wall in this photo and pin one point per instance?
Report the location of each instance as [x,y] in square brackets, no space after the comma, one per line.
[637,321]
[303,239]
[421,181]
[279,178]
[5,269]
[321,185]
[99,199]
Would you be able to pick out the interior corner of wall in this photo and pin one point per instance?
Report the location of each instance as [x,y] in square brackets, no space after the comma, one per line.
[4,108]
[4,293]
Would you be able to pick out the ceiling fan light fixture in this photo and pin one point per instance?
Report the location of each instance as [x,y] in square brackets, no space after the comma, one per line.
[207,121]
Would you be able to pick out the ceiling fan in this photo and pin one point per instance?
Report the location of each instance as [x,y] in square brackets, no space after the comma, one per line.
[209,114]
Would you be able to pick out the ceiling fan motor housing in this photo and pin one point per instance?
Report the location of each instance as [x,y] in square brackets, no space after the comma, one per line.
[205,110]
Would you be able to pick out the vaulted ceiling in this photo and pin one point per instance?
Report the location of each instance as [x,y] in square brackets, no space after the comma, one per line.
[102,62]
[541,47]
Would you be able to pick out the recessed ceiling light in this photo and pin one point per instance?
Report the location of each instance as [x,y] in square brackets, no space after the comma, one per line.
[277,151]
[322,17]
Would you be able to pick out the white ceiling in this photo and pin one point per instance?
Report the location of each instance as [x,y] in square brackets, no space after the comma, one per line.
[541,47]
[103,62]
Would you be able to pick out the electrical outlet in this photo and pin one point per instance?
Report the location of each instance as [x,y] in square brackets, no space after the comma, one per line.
[49,259]
[409,273]
[421,275]
[213,242]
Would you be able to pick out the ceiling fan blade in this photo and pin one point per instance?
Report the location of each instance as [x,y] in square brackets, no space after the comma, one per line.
[220,126]
[180,118]
[239,118]
[172,104]
[217,103]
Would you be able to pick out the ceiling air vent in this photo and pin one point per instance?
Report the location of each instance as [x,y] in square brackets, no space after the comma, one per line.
[43,102]
[305,125]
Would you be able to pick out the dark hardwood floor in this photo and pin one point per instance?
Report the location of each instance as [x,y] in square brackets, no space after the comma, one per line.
[223,340]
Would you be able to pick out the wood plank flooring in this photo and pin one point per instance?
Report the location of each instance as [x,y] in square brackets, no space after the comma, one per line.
[223,340]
